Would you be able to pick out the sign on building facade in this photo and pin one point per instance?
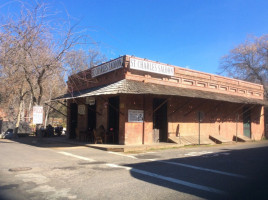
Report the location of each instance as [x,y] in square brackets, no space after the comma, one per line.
[38,115]
[150,66]
[107,67]
[135,115]
[81,109]
[90,101]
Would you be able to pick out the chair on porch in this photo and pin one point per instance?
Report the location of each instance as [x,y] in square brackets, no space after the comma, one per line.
[109,136]
[97,136]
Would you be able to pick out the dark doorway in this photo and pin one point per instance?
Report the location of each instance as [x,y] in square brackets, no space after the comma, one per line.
[246,122]
[160,120]
[91,123]
[113,118]
[73,120]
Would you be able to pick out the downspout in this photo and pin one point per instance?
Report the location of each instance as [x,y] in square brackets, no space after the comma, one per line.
[143,131]
[237,118]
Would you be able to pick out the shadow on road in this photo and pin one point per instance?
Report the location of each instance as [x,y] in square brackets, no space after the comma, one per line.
[47,142]
[1,141]
[247,170]
[251,163]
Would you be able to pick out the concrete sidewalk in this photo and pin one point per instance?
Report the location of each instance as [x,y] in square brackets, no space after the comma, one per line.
[62,141]
[116,147]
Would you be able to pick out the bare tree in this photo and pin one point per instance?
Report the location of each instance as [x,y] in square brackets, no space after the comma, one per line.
[54,86]
[78,62]
[36,52]
[31,52]
[81,60]
[249,61]
[14,88]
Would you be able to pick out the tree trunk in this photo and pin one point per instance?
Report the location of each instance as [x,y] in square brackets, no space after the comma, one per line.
[29,109]
[15,133]
[23,111]
[46,115]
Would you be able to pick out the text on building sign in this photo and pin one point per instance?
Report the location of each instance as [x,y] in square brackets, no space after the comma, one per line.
[150,66]
[107,67]
[135,115]
[37,114]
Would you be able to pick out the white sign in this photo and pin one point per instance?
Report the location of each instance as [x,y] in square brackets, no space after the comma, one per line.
[135,115]
[81,109]
[90,101]
[38,115]
[107,67]
[150,66]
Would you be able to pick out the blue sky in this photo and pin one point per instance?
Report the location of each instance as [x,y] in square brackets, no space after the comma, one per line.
[187,33]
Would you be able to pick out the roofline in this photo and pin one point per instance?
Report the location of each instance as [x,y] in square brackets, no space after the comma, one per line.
[196,71]
[181,68]
[112,89]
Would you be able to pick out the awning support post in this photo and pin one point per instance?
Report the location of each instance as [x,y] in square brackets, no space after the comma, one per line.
[182,106]
[56,109]
[211,110]
[199,122]
[196,107]
[63,104]
[143,131]
[160,105]
[237,118]
[234,111]
[78,101]
[112,106]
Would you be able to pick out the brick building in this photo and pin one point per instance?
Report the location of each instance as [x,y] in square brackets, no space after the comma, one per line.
[143,102]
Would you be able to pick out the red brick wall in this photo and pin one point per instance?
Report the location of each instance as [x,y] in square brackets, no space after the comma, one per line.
[101,115]
[257,124]
[192,79]
[122,116]
[219,117]
[82,119]
[102,110]
[266,121]
[148,118]
[133,130]
[218,120]
[83,79]
[185,78]
[135,133]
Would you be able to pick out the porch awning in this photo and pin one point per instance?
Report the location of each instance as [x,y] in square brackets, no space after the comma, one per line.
[134,87]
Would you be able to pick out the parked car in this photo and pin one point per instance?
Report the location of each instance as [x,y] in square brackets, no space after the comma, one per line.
[7,135]
[58,130]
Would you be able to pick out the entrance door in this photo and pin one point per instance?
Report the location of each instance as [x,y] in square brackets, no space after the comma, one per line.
[160,119]
[73,120]
[91,123]
[113,120]
[246,122]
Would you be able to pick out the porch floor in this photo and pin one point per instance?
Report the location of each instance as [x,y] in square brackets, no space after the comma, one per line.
[118,148]
[133,148]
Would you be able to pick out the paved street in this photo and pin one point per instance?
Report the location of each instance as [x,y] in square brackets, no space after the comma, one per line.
[42,169]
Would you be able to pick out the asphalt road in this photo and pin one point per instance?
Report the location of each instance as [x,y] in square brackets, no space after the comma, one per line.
[42,169]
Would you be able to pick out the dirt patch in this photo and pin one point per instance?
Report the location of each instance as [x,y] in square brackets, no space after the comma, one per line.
[10,186]
[91,163]
[66,168]
[103,168]
[19,169]
[147,156]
